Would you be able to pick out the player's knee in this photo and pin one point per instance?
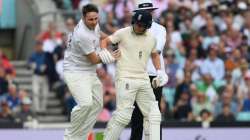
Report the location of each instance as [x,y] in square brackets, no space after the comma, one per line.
[124,116]
[154,114]
[98,104]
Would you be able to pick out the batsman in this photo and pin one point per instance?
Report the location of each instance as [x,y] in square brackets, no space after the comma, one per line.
[132,82]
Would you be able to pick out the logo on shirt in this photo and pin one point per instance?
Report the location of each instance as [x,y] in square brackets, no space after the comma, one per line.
[139,17]
[140,54]
[127,86]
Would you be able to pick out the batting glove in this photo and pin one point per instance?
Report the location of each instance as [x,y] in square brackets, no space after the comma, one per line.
[106,56]
[160,80]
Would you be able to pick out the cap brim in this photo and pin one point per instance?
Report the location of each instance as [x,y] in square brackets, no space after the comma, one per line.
[145,9]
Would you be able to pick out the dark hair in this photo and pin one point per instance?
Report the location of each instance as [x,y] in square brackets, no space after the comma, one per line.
[225,105]
[89,8]
[203,111]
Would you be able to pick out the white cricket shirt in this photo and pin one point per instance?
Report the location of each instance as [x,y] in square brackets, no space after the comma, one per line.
[159,32]
[135,53]
[81,42]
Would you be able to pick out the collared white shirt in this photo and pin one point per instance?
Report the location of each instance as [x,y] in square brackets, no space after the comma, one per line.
[214,67]
[159,32]
[81,42]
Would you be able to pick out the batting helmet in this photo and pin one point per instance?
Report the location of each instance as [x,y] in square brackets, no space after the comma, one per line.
[142,17]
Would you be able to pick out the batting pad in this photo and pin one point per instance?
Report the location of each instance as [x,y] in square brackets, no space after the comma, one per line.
[154,122]
[117,123]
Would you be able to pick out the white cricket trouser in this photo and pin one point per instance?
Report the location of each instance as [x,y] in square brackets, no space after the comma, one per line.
[129,91]
[40,92]
[87,92]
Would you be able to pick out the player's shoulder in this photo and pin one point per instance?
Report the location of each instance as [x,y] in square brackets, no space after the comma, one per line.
[125,29]
[122,31]
[80,35]
[79,30]
[158,27]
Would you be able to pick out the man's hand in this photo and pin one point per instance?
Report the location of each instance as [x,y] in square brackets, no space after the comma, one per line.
[160,80]
[109,57]
[116,54]
[43,68]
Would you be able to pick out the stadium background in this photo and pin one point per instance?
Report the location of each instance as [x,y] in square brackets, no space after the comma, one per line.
[213,95]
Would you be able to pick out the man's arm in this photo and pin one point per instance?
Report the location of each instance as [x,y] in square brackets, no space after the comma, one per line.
[103,35]
[94,58]
[87,49]
[160,39]
[156,60]
[104,55]
[105,43]
[161,78]
[115,38]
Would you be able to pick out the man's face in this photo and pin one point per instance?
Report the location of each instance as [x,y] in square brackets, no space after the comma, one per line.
[151,11]
[39,48]
[91,20]
[70,24]
[139,28]
[213,53]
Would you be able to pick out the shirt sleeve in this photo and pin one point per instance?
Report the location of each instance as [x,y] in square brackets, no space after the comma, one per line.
[204,67]
[161,40]
[154,49]
[85,45]
[116,37]
[221,70]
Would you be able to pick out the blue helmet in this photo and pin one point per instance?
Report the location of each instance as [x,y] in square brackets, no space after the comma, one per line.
[142,17]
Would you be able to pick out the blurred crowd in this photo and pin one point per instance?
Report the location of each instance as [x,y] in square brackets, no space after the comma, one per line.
[207,55]
[15,103]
